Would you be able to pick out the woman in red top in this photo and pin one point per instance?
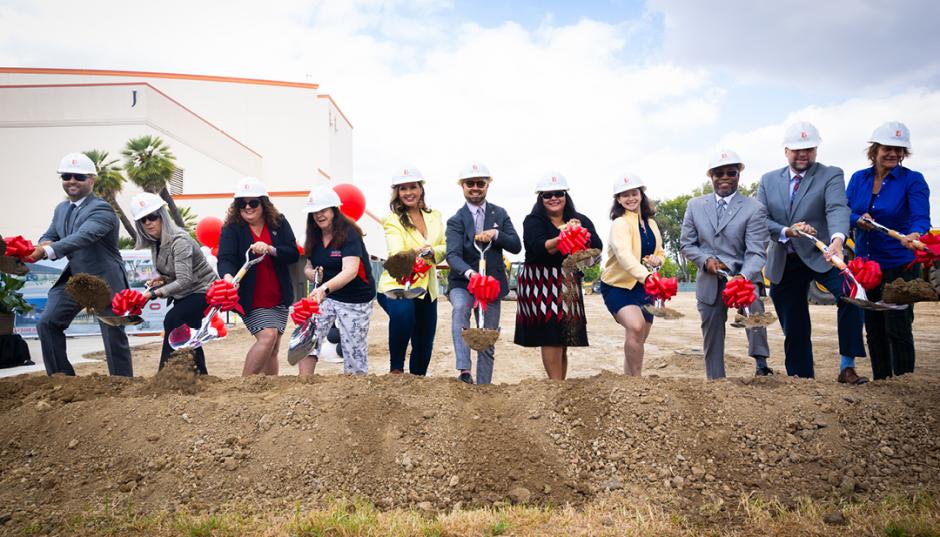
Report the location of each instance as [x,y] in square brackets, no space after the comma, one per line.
[266,291]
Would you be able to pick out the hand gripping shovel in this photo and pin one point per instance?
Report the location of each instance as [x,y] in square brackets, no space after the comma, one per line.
[749,320]
[480,339]
[127,319]
[182,337]
[408,291]
[892,233]
[858,297]
[658,307]
[304,337]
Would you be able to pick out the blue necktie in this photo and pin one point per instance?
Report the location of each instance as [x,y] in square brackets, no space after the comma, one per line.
[68,219]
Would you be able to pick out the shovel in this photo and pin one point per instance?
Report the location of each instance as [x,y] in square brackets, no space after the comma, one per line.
[892,233]
[658,307]
[182,337]
[125,320]
[749,321]
[304,338]
[408,291]
[480,339]
[859,297]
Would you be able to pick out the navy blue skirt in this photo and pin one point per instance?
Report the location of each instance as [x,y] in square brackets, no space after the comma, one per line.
[618,297]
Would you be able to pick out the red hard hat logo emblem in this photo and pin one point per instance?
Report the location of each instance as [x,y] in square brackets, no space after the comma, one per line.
[74,161]
[474,167]
[804,135]
[897,134]
[554,179]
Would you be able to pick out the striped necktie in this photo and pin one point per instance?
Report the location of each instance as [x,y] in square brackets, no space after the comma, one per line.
[796,186]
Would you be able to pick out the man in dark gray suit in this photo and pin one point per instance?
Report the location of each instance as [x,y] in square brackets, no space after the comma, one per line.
[810,197]
[481,222]
[84,229]
[725,230]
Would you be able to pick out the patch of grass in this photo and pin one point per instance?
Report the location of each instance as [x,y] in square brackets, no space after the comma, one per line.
[499,528]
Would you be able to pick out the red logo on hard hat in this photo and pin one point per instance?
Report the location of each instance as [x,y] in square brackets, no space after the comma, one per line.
[626,180]
[74,161]
[142,204]
[554,179]
[803,135]
[474,167]
[724,155]
[897,134]
[405,172]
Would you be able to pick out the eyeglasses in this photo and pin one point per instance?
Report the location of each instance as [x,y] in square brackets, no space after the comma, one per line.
[475,184]
[152,217]
[80,177]
[725,173]
[241,203]
[553,194]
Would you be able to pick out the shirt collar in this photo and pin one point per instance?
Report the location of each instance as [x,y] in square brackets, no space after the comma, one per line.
[79,203]
[726,198]
[474,208]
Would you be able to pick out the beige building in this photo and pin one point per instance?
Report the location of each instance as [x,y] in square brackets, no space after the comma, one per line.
[219,128]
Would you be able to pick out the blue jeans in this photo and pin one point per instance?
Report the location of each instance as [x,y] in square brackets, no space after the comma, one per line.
[462,303]
[413,320]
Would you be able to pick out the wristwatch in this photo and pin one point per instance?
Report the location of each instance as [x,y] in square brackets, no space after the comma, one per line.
[326,290]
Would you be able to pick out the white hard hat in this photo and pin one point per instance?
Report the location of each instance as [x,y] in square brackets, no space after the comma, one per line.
[322,197]
[724,157]
[801,135]
[407,174]
[474,170]
[77,163]
[628,181]
[551,182]
[145,203]
[892,133]
[249,187]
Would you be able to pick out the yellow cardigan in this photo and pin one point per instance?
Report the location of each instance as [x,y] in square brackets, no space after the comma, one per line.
[397,238]
[623,267]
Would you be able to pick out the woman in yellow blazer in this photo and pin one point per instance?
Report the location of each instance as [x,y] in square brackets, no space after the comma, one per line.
[411,225]
[634,238]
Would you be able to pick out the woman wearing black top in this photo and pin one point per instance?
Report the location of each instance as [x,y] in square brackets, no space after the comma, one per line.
[543,318]
[334,242]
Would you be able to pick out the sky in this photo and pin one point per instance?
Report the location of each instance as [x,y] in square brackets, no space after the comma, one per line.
[586,89]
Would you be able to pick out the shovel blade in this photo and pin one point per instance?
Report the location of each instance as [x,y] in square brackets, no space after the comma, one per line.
[414,292]
[179,337]
[874,306]
[302,341]
[121,320]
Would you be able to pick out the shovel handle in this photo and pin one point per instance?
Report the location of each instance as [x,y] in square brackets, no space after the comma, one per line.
[893,234]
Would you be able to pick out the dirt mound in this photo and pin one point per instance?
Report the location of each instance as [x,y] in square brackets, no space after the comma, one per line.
[402,441]
[89,291]
[908,292]
[179,376]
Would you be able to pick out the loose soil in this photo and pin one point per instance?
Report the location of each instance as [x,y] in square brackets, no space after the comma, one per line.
[177,442]
[89,291]
[399,265]
[908,292]
[479,339]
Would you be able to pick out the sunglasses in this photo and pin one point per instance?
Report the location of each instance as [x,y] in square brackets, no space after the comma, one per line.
[80,177]
[553,194]
[152,217]
[475,184]
[242,203]
[725,173]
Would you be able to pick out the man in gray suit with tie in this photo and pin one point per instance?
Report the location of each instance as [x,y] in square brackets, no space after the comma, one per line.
[727,231]
[84,229]
[810,197]
[478,221]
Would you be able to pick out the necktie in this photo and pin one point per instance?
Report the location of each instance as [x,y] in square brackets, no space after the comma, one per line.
[722,205]
[478,220]
[796,186]
[68,219]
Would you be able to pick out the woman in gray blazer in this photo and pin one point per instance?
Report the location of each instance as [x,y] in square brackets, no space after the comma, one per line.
[182,270]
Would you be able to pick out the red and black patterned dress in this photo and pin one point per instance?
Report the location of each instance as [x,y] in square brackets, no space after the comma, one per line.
[543,318]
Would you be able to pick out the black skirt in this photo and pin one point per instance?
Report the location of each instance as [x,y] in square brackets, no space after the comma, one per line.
[544,316]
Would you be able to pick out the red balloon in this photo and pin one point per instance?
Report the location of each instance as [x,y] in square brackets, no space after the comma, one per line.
[208,231]
[354,202]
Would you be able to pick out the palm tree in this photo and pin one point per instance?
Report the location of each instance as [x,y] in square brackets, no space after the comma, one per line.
[109,183]
[149,164]
[191,219]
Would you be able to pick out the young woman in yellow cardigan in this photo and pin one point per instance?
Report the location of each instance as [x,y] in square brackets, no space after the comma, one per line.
[634,238]
[411,225]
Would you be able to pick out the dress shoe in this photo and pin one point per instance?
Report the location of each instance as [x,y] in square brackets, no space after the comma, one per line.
[763,372]
[849,376]
[465,378]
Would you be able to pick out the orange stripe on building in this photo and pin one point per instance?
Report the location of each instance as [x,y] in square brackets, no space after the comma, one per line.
[152,74]
[336,106]
[324,174]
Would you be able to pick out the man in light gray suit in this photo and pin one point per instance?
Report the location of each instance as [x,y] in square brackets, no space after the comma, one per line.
[84,229]
[478,221]
[810,197]
[725,230]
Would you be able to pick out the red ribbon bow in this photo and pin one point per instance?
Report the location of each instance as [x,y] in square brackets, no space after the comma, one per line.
[219,325]
[420,268]
[866,272]
[485,289]
[659,288]
[304,309]
[926,256]
[19,247]
[573,238]
[739,293]
[223,295]
[128,302]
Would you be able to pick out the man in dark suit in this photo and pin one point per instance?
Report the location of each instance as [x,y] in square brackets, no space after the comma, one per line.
[84,230]
[725,230]
[810,197]
[482,222]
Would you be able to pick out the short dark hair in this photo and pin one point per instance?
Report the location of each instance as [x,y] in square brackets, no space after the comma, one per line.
[647,210]
[872,152]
